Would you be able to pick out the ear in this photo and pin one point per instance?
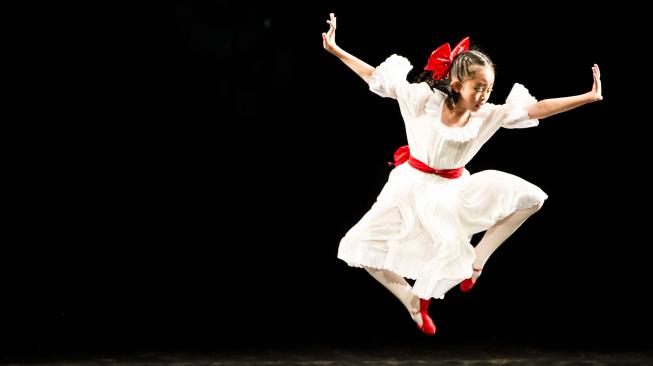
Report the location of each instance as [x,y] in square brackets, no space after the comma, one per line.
[456,85]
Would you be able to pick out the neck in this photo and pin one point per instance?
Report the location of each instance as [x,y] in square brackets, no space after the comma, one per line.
[455,116]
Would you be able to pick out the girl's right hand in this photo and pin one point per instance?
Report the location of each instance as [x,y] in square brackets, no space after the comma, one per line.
[329,38]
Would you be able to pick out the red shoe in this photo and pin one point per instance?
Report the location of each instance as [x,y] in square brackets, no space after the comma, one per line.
[467,284]
[427,327]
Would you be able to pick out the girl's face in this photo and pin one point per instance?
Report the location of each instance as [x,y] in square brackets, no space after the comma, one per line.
[474,92]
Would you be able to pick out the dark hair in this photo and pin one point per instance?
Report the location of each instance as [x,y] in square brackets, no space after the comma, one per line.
[461,69]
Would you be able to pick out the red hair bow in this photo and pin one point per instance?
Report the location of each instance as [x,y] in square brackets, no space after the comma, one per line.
[441,59]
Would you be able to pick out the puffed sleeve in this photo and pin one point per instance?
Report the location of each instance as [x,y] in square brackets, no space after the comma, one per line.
[514,110]
[389,78]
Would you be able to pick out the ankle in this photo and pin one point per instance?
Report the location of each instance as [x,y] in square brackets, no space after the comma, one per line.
[411,302]
[476,272]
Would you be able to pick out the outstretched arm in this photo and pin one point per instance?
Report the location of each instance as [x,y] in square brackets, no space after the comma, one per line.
[360,67]
[548,107]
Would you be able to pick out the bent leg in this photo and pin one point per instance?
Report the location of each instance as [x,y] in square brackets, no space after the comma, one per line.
[497,203]
[498,233]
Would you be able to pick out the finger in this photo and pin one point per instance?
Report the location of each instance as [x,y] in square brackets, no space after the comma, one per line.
[594,71]
[598,71]
[597,86]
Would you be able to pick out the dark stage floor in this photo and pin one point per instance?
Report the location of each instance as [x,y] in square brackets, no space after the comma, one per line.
[394,357]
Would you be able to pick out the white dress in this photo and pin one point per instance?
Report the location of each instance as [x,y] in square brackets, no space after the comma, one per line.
[421,224]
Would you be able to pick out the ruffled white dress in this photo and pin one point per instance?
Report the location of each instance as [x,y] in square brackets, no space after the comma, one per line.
[421,224]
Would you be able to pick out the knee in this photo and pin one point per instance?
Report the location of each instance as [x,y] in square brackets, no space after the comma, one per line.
[536,206]
[532,202]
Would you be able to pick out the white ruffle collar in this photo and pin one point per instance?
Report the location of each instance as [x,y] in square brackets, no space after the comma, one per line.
[433,110]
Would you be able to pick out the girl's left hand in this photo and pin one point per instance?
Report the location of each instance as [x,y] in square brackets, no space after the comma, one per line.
[596,88]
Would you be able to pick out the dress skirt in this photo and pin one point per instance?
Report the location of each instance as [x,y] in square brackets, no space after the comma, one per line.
[421,224]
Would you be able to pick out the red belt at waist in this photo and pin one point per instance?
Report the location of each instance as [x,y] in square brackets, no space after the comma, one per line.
[403,154]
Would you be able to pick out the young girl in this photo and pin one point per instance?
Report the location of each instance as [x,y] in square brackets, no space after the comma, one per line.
[422,222]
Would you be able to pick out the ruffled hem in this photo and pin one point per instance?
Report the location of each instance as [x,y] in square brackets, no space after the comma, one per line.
[440,289]
[433,109]
[393,70]
[361,255]
[424,287]
[381,268]
[516,102]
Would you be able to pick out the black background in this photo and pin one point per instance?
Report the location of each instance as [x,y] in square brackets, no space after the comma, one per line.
[217,154]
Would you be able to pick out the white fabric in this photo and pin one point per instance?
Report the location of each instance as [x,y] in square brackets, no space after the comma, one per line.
[421,224]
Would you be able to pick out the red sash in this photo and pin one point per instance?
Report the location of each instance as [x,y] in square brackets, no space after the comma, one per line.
[403,154]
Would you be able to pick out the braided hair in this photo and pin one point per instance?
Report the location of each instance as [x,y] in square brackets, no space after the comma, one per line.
[463,67]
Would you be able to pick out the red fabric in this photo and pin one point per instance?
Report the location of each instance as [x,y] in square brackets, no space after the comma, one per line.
[441,59]
[403,154]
